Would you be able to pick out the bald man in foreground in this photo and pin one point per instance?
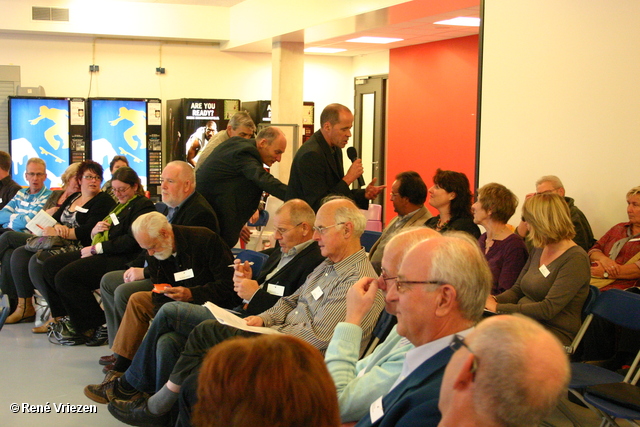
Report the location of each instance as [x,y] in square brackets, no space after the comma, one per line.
[508,371]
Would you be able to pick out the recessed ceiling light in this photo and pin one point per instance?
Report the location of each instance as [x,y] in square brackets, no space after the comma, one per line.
[463,21]
[324,50]
[378,40]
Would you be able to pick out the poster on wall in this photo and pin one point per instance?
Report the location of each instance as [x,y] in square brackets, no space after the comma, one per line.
[39,127]
[119,128]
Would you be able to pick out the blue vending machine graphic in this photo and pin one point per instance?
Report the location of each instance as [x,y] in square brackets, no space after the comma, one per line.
[52,129]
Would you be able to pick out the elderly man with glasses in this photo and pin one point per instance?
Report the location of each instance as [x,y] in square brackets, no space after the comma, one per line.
[438,293]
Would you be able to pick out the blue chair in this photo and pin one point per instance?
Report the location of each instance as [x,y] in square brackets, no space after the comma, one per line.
[260,225]
[368,238]
[622,309]
[257,258]
[587,308]
[4,310]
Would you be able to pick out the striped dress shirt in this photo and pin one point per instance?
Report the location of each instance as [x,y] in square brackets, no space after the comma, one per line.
[314,310]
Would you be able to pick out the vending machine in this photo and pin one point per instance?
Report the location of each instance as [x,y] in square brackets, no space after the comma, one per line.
[193,122]
[260,112]
[131,128]
[53,129]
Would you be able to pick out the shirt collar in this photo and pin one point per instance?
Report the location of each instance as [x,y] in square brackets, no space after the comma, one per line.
[296,249]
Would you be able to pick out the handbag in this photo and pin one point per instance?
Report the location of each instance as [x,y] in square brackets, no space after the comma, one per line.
[36,243]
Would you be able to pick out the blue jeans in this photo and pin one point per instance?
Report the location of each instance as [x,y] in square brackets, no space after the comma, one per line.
[161,347]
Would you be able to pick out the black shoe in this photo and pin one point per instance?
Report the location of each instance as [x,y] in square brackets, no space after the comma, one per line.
[98,338]
[136,413]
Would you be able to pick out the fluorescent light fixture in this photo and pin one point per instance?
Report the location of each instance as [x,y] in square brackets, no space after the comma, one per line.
[324,50]
[462,21]
[378,40]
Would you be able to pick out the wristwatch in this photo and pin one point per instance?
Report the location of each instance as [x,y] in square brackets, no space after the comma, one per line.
[93,250]
[605,275]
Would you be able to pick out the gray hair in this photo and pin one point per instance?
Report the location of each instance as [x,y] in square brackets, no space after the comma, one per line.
[150,223]
[408,238]
[269,133]
[552,179]
[633,191]
[514,384]
[299,211]
[351,213]
[242,118]
[458,261]
[37,161]
[187,173]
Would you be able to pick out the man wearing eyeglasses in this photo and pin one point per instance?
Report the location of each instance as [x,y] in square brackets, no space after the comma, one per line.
[28,201]
[438,293]
[517,382]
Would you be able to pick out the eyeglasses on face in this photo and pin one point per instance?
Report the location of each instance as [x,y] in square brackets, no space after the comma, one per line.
[121,190]
[322,230]
[283,231]
[404,285]
[35,174]
[388,281]
[456,343]
[91,177]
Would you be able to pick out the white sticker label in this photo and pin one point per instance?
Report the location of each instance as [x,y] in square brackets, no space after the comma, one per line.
[544,270]
[275,290]
[183,275]
[317,293]
[375,410]
[114,219]
[23,203]
[81,209]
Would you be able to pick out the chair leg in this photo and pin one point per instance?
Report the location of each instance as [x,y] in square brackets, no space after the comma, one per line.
[567,413]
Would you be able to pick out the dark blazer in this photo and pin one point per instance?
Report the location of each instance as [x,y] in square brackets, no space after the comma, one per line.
[8,189]
[456,223]
[232,180]
[291,276]
[317,172]
[194,212]
[414,402]
[203,251]
[98,207]
[121,240]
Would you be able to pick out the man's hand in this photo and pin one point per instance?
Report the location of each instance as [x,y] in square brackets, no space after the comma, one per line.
[133,274]
[598,268]
[372,191]
[242,270]
[86,252]
[355,171]
[245,234]
[254,321]
[179,293]
[360,298]
[245,288]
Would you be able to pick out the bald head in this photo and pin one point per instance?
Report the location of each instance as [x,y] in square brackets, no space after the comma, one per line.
[178,182]
[395,250]
[522,370]
[338,227]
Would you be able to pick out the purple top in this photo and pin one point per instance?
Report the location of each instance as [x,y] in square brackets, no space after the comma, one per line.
[506,259]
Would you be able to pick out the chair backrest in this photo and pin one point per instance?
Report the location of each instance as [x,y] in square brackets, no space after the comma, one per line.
[619,307]
[591,299]
[385,323]
[257,258]
[263,219]
[368,238]
[587,308]
[4,309]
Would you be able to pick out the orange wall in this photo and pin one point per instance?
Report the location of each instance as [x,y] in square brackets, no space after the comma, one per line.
[432,109]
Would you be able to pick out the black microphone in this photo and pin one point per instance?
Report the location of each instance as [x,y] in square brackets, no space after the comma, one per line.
[352,154]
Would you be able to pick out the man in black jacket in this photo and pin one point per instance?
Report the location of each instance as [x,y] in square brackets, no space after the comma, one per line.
[233,178]
[317,169]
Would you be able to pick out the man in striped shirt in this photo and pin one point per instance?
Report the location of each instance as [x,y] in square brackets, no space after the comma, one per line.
[311,313]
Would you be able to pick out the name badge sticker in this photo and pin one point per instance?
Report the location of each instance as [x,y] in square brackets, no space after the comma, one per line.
[114,219]
[81,209]
[23,203]
[183,275]
[375,410]
[317,293]
[544,270]
[275,290]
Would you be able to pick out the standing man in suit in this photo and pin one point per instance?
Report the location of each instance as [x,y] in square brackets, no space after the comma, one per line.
[183,206]
[509,371]
[233,178]
[439,295]
[240,125]
[317,169]
[408,194]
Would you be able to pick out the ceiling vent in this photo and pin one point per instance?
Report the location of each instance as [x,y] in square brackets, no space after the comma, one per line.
[49,14]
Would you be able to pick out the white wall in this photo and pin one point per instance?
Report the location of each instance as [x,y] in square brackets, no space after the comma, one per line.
[560,95]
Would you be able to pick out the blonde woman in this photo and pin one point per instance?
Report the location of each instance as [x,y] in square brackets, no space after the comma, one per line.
[554,283]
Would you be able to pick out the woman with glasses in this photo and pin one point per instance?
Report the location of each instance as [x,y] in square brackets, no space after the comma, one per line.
[505,251]
[76,216]
[116,163]
[451,196]
[554,283]
[68,280]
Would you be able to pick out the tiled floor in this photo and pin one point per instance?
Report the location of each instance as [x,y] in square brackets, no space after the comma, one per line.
[36,372]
